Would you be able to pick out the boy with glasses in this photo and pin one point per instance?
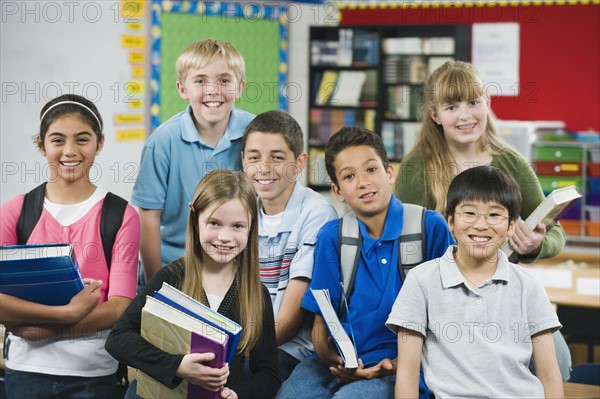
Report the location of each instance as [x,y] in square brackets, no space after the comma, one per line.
[472,317]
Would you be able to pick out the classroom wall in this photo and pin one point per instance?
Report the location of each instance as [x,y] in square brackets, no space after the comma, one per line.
[559,54]
[53,48]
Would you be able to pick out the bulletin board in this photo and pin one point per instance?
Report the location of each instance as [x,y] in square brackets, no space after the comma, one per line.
[559,51]
[257,31]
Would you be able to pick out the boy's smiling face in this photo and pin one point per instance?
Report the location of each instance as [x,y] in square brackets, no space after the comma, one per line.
[273,168]
[211,91]
[481,239]
[364,183]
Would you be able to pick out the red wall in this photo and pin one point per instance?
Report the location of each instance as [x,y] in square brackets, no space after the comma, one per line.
[559,55]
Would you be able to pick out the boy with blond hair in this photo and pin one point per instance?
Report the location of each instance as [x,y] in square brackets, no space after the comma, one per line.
[290,217]
[204,137]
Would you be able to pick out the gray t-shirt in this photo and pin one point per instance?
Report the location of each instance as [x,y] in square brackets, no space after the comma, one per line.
[477,342]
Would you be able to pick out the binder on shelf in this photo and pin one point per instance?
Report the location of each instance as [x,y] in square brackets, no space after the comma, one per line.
[550,210]
[176,332]
[341,339]
[47,274]
[188,305]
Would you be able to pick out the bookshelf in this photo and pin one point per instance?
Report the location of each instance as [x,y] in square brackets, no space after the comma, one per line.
[371,77]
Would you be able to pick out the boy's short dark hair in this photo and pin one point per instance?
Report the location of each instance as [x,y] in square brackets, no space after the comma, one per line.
[351,136]
[485,183]
[278,122]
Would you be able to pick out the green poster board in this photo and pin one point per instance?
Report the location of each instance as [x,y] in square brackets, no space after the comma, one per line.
[258,33]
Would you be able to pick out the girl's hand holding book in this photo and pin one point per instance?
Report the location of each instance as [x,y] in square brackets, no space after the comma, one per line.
[193,369]
[84,302]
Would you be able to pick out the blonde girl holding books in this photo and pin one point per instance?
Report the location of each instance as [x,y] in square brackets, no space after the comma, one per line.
[459,132]
[220,269]
[58,351]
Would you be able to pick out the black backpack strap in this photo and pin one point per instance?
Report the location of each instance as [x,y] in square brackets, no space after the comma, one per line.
[31,211]
[111,219]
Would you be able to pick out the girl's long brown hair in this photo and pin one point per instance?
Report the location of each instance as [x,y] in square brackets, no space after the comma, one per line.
[216,188]
[453,81]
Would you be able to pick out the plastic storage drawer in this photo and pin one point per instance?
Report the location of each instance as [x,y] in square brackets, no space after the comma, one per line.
[559,168]
[557,153]
[550,183]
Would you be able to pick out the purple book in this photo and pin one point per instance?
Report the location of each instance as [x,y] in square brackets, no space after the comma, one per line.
[203,344]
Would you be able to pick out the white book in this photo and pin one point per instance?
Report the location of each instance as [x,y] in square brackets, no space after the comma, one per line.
[343,342]
[348,88]
[549,210]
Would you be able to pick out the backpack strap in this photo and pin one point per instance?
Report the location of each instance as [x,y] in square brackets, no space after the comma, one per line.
[111,219]
[31,211]
[411,244]
[411,247]
[349,241]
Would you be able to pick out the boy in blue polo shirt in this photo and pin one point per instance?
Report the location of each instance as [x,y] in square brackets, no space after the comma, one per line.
[471,316]
[290,218]
[204,137]
[357,164]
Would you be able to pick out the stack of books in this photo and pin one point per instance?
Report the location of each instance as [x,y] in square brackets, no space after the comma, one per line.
[178,324]
[47,274]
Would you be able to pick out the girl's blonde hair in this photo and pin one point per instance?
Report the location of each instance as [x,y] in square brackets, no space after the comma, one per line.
[216,188]
[451,82]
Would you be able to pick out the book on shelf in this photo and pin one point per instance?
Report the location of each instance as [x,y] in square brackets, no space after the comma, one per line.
[403,101]
[342,340]
[348,88]
[177,299]
[317,173]
[326,87]
[324,52]
[176,332]
[365,48]
[46,273]
[368,95]
[345,51]
[550,210]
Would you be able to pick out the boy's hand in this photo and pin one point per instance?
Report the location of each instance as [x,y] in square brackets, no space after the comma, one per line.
[330,356]
[193,369]
[383,368]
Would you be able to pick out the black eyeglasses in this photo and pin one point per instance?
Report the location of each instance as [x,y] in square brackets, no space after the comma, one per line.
[490,218]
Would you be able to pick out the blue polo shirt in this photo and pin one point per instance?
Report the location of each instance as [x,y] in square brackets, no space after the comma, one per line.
[377,280]
[174,160]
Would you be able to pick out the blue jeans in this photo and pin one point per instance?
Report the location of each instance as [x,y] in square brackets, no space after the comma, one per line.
[310,379]
[563,356]
[25,385]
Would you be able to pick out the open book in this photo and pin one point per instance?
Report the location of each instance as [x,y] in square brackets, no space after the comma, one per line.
[550,210]
[342,341]
[46,273]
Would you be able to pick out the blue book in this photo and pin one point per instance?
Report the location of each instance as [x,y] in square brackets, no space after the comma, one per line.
[188,305]
[47,274]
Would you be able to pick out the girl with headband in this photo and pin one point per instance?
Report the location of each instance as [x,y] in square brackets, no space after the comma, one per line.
[58,351]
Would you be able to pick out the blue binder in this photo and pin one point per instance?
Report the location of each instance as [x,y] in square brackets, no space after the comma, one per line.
[47,274]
